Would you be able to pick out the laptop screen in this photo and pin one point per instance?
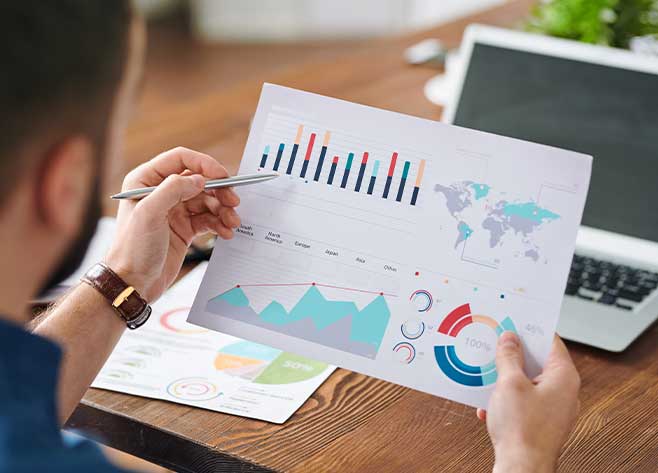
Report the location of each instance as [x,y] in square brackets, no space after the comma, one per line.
[607,112]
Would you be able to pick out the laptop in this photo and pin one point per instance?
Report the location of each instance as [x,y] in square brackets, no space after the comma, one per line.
[599,101]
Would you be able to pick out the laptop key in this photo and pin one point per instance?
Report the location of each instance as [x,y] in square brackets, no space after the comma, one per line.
[621,305]
[631,293]
[607,299]
[592,286]
[606,282]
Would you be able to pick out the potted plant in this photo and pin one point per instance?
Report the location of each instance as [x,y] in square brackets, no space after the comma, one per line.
[615,23]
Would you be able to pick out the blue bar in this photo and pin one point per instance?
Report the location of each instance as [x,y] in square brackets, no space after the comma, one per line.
[346,175]
[362,171]
[373,178]
[279,153]
[387,186]
[304,168]
[332,171]
[318,169]
[291,163]
[414,196]
[263,160]
[403,181]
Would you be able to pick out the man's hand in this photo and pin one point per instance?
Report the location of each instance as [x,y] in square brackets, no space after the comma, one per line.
[529,420]
[154,233]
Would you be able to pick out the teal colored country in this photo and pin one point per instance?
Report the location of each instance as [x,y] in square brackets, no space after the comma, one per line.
[481,190]
[529,211]
[464,233]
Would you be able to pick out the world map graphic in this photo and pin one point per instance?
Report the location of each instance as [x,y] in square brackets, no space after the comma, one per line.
[478,207]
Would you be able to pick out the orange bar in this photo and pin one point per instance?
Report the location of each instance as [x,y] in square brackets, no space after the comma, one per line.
[421,170]
[298,138]
[327,137]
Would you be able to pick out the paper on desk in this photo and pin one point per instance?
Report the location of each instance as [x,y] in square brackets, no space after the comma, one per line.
[169,359]
[396,246]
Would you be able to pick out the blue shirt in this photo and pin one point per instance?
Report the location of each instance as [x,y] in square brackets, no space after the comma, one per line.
[30,436]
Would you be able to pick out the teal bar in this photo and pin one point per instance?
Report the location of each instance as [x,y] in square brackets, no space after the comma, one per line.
[375,168]
[350,157]
[405,171]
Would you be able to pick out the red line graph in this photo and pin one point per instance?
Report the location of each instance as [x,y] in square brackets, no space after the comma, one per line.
[353,289]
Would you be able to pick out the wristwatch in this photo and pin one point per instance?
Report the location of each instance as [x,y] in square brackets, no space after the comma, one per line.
[125,300]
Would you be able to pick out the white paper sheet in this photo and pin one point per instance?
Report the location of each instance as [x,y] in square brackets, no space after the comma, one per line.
[169,359]
[407,266]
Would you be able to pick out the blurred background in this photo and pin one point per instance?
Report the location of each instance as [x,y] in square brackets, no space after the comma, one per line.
[202,47]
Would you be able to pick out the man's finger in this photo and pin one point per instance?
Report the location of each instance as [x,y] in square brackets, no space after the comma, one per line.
[509,355]
[173,190]
[175,161]
[203,203]
[229,217]
[481,414]
[560,365]
[208,222]
[227,196]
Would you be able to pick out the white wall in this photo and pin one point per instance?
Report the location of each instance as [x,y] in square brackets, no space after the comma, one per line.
[253,20]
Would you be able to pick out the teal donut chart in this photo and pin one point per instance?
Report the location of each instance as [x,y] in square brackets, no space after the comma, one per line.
[446,355]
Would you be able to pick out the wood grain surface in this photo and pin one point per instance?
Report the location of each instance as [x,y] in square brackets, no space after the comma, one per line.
[353,422]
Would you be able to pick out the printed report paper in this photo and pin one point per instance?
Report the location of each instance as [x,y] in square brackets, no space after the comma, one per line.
[169,359]
[395,246]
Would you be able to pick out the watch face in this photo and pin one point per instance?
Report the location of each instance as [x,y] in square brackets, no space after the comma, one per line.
[140,319]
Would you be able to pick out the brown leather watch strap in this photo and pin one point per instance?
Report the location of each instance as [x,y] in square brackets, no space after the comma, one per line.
[125,300]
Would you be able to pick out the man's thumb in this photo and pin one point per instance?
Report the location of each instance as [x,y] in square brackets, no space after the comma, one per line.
[509,355]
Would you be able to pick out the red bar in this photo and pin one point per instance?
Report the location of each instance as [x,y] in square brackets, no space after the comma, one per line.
[460,325]
[310,147]
[391,168]
[365,158]
[335,161]
[453,317]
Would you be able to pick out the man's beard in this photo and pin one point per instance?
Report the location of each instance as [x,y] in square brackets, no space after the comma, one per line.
[77,250]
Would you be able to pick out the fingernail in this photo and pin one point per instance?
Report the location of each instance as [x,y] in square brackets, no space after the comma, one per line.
[509,339]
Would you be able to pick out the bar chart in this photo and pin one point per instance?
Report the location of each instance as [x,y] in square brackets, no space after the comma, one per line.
[341,161]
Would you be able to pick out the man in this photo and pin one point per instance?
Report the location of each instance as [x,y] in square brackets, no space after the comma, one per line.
[71,70]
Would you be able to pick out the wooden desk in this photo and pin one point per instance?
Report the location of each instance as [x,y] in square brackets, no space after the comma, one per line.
[356,423]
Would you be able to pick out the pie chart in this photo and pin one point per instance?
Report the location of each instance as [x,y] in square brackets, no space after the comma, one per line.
[446,355]
[261,364]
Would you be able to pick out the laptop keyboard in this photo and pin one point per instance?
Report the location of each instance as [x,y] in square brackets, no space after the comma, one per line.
[608,283]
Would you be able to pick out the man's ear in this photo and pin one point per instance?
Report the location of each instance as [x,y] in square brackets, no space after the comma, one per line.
[64,184]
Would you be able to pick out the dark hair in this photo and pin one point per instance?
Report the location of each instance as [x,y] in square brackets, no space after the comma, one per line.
[62,62]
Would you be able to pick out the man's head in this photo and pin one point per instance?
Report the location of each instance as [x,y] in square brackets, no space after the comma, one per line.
[69,74]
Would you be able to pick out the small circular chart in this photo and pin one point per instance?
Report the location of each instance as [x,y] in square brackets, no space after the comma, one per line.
[422,300]
[412,329]
[404,352]
[175,320]
[459,326]
[194,389]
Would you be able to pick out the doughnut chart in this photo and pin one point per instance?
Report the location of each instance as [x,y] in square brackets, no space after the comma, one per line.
[446,355]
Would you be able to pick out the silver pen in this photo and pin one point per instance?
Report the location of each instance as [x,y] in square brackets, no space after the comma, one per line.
[235,181]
